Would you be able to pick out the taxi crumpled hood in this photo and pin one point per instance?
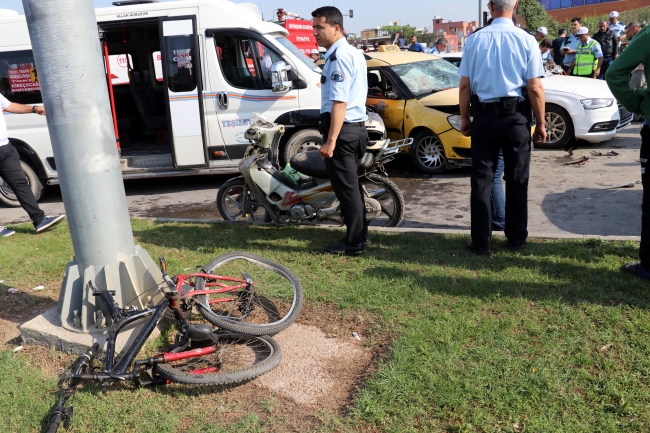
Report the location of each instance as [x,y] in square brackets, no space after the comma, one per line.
[442,98]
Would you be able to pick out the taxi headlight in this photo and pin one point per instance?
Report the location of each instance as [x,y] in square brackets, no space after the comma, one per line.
[454,121]
[596,103]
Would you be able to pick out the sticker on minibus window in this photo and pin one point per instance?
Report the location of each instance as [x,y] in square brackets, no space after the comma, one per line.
[23,78]
[119,68]
[157,65]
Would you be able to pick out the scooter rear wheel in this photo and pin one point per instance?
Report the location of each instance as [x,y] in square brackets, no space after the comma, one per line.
[230,202]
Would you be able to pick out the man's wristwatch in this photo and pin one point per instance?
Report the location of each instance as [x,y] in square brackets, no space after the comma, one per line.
[34,109]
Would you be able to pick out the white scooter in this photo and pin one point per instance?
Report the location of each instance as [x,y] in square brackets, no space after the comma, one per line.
[302,193]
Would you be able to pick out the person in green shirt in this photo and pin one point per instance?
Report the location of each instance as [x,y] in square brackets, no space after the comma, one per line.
[637,101]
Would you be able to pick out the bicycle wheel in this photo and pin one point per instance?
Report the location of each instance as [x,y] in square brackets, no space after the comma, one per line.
[237,358]
[267,307]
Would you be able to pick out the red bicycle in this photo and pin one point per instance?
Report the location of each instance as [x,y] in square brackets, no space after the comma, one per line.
[266,299]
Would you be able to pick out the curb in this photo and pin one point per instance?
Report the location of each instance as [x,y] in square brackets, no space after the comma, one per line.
[539,235]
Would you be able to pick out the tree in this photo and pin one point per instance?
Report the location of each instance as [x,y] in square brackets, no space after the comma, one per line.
[404,31]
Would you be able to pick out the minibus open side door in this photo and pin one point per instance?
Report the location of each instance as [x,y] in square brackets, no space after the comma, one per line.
[183,88]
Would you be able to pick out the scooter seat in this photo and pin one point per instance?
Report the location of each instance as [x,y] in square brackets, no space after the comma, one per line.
[309,163]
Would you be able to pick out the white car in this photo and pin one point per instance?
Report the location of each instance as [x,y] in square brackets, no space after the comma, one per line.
[579,108]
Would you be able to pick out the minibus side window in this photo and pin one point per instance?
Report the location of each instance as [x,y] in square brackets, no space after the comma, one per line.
[179,59]
[245,62]
[18,77]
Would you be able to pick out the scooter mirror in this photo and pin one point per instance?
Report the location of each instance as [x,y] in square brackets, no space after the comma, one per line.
[280,82]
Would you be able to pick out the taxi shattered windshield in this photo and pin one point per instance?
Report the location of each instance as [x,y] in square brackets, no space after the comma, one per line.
[423,78]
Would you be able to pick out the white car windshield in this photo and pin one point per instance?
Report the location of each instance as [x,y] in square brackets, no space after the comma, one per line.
[429,76]
[296,52]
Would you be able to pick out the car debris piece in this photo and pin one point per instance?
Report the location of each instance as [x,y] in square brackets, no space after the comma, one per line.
[355,335]
[13,290]
[578,161]
[610,153]
[38,288]
[16,349]
[626,185]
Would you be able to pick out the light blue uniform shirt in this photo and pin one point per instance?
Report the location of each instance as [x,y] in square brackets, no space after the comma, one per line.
[571,42]
[499,59]
[346,80]
[434,51]
[596,50]
[618,28]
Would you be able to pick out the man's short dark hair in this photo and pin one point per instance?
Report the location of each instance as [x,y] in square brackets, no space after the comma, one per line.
[561,32]
[634,24]
[546,43]
[414,36]
[442,41]
[382,43]
[578,19]
[332,15]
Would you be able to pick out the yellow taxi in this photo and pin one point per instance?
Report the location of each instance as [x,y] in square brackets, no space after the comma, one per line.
[416,95]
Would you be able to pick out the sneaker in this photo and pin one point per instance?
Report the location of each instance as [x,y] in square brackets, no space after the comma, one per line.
[343,248]
[48,222]
[4,232]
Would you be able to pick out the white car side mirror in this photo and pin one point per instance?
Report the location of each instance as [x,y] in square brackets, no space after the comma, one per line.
[280,82]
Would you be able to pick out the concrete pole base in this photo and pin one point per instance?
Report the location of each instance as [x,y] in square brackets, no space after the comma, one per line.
[135,280]
[46,330]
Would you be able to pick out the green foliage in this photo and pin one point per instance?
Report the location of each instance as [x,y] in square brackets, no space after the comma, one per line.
[405,31]
[536,16]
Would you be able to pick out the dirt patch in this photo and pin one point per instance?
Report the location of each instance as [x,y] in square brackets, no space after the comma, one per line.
[315,369]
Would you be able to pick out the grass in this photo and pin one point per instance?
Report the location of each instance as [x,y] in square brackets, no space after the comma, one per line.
[554,338]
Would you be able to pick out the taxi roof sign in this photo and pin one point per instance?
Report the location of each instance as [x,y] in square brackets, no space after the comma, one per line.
[385,48]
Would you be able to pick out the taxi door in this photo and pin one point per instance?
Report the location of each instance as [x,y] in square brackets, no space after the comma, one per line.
[388,103]
[182,79]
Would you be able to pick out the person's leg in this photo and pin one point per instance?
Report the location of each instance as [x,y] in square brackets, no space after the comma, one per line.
[485,155]
[342,170]
[606,62]
[498,197]
[13,174]
[516,157]
[644,247]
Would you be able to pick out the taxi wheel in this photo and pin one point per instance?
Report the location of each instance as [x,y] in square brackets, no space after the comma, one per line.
[301,141]
[559,128]
[428,154]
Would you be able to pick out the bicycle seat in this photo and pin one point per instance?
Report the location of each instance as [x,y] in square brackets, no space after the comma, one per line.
[309,163]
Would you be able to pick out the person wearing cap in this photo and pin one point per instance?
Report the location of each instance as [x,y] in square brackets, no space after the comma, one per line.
[615,25]
[540,34]
[589,56]
[314,55]
[609,44]
[571,43]
[638,102]
[498,94]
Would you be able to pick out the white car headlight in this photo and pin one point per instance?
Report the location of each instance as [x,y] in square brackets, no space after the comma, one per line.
[454,121]
[594,104]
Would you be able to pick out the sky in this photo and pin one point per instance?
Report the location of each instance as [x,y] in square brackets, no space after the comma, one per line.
[417,13]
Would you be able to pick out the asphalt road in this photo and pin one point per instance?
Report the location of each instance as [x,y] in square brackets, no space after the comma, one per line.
[563,199]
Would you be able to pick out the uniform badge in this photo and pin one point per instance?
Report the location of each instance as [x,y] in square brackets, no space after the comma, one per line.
[337,76]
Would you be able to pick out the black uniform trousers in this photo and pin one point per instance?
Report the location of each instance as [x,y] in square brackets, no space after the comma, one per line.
[343,169]
[644,248]
[511,134]
[13,174]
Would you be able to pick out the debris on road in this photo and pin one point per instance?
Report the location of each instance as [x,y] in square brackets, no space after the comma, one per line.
[38,288]
[16,349]
[625,185]
[355,335]
[13,290]
[610,153]
[578,161]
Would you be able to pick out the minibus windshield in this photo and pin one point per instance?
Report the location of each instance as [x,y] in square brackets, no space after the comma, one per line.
[296,52]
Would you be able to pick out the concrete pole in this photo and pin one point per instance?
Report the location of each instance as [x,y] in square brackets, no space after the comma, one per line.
[71,72]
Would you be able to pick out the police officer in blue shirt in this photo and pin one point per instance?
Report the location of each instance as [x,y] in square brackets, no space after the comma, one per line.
[500,85]
[571,43]
[344,85]
[615,25]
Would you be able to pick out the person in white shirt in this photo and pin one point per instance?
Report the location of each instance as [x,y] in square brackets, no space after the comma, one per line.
[13,174]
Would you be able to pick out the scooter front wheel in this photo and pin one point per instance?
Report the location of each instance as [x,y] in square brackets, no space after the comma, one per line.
[389,197]
[230,203]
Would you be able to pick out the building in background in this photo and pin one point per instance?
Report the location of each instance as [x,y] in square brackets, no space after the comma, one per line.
[370,36]
[563,10]
[454,31]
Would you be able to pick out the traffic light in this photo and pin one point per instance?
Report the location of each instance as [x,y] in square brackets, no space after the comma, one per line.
[351,13]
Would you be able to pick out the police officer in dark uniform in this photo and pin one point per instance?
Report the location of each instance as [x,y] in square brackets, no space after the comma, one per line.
[344,85]
[500,86]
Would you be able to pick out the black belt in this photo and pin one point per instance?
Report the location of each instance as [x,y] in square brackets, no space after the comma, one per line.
[496,107]
[354,123]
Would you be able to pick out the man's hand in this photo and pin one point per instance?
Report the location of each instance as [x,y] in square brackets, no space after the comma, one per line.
[540,133]
[327,149]
[596,73]
[39,110]
[466,127]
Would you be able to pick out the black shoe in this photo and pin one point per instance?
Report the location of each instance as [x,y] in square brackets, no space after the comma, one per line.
[470,246]
[366,241]
[48,222]
[344,248]
[518,247]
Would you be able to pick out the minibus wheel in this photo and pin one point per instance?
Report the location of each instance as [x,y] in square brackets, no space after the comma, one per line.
[7,196]
[302,141]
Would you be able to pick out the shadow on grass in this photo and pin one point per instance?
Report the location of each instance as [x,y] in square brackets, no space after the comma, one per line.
[569,271]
